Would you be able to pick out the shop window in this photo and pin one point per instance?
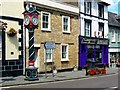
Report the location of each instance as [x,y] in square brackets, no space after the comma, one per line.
[98,47]
[90,55]
[90,47]
[99,57]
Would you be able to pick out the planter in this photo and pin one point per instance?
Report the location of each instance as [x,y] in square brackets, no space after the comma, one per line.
[103,71]
[12,32]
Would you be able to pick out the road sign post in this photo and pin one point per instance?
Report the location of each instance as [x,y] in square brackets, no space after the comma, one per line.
[49,45]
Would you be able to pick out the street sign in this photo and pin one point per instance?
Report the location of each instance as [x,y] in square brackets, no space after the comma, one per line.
[50,45]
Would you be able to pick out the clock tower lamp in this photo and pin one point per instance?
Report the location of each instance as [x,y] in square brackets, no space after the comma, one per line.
[31,22]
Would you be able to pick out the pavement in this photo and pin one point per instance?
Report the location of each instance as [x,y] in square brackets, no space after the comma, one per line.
[60,76]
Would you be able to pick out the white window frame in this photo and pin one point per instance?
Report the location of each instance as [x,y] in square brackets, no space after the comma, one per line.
[68,31]
[48,60]
[45,29]
[87,29]
[87,9]
[113,36]
[118,36]
[101,30]
[67,58]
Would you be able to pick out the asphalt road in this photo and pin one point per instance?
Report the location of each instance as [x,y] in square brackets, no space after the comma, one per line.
[92,82]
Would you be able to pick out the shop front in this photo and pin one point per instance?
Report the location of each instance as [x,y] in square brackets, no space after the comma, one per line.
[95,49]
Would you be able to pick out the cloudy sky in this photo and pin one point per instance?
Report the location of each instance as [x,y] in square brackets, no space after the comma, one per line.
[114,6]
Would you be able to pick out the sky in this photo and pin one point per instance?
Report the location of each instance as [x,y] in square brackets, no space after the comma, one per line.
[114,6]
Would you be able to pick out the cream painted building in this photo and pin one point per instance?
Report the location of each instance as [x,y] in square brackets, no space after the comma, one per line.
[12,45]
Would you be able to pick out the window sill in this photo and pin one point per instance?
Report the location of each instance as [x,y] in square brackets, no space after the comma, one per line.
[113,42]
[65,32]
[64,60]
[47,30]
[48,61]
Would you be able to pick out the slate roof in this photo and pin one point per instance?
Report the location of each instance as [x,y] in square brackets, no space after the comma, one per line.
[112,19]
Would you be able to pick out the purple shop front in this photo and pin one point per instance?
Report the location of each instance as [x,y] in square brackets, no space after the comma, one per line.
[93,48]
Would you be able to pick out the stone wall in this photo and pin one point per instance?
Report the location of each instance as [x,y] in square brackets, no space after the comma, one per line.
[59,38]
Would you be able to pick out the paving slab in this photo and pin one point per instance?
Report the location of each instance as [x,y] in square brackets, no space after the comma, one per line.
[60,76]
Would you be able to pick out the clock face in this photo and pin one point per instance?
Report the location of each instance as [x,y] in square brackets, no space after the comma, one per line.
[27,20]
[35,20]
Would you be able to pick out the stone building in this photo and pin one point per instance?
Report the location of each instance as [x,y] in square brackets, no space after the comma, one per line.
[58,22]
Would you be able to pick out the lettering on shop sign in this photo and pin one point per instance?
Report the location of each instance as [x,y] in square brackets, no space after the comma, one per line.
[91,41]
[105,42]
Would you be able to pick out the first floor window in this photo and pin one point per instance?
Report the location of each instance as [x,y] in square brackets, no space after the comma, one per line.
[87,28]
[101,29]
[64,52]
[48,55]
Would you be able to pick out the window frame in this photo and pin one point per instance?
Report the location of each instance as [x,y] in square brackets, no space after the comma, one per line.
[101,25]
[68,31]
[113,38]
[49,15]
[48,60]
[99,10]
[86,7]
[67,53]
[89,22]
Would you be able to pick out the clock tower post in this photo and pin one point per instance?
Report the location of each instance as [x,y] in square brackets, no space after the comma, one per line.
[31,22]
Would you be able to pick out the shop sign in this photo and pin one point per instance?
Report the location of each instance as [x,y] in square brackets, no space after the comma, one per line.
[103,42]
[88,41]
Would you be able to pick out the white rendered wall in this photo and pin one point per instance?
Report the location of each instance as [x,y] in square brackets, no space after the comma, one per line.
[94,20]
